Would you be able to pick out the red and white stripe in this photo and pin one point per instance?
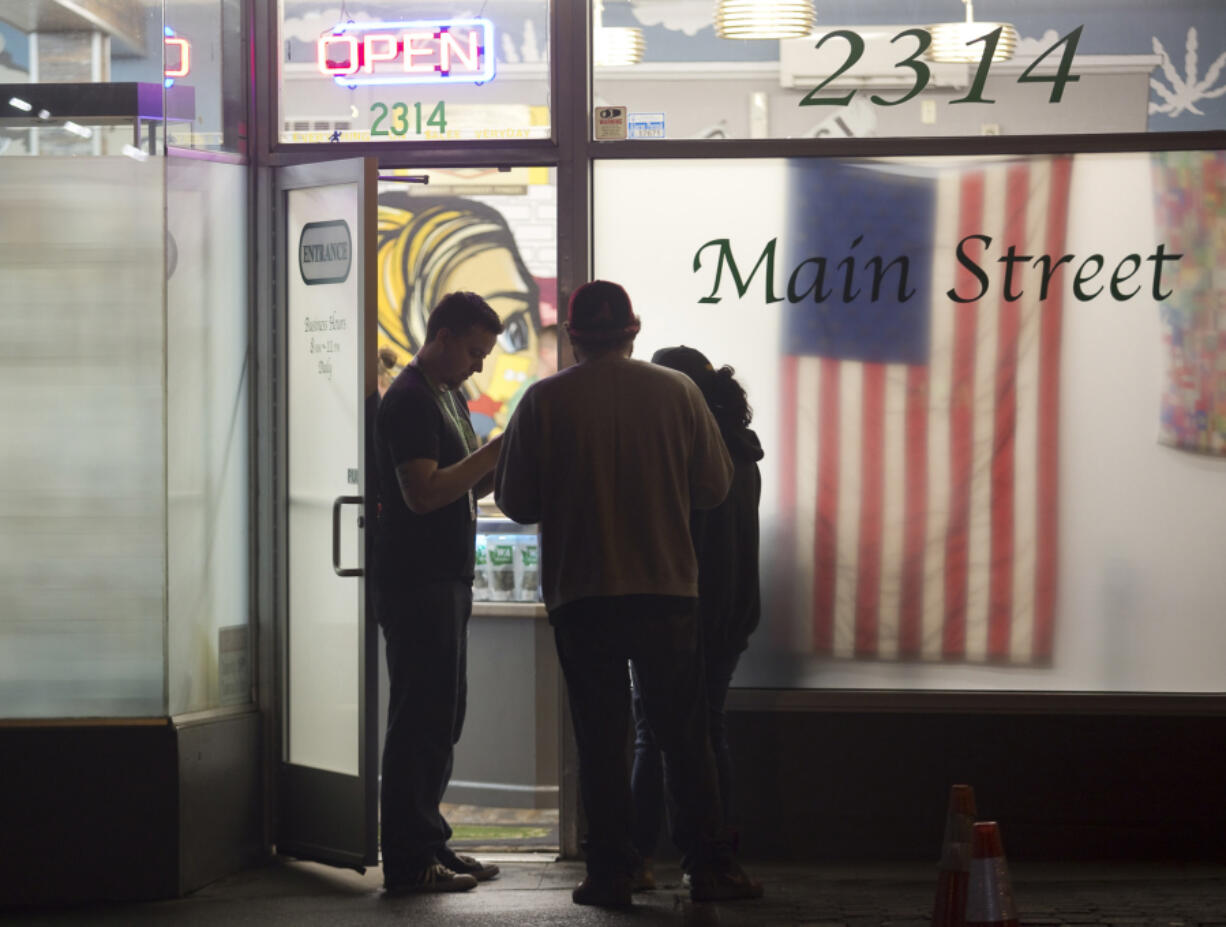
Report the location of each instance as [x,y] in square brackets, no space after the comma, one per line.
[921,500]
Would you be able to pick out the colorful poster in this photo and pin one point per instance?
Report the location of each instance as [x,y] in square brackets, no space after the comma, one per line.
[1190,214]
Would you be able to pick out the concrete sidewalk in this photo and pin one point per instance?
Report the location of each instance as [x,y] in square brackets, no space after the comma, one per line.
[535,890]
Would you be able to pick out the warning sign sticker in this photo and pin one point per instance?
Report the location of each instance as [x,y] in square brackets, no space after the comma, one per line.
[610,123]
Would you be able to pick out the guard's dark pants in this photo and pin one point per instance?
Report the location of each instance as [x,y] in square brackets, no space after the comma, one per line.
[647,776]
[427,655]
[595,637]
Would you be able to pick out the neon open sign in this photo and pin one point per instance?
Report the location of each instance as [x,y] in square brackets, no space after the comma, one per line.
[408,52]
[178,48]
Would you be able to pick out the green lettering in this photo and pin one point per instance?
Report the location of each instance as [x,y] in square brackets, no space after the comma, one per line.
[849,262]
[1048,269]
[1117,278]
[742,285]
[819,279]
[1081,277]
[904,264]
[969,263]
[1158,257]
[1009,260]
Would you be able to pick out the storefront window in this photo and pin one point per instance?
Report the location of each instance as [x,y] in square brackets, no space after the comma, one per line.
[202,53]
[139,75]
[124,556]
[414,72]
[874,70]
[45,63]
[992,400]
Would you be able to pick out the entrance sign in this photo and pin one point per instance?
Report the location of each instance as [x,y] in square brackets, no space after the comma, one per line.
[324,252]
[408,52]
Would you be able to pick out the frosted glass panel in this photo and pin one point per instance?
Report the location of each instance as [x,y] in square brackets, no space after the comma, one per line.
[82,552]
[991,399]
[207,382]
[323,342]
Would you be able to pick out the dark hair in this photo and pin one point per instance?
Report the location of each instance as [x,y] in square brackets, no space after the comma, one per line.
[458,312]
[727,399]
[724,395]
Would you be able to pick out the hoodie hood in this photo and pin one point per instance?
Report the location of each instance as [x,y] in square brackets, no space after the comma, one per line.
[743,444]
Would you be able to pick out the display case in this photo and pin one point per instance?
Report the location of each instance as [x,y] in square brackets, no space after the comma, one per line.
[507,563]
[74,119]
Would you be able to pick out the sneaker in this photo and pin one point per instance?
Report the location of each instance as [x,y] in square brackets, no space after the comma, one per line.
[603,891]
[727,883]
[467,865]
[644,877]
[434,878]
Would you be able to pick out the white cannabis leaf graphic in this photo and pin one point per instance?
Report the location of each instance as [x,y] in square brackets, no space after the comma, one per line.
[1184,92]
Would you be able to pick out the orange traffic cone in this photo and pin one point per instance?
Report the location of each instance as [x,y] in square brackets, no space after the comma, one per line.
[989,901]
[949,910]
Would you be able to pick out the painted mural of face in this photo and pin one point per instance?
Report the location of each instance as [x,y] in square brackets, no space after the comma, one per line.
[512,362]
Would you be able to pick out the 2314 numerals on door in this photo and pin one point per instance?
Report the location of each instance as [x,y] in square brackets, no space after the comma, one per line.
[401,119]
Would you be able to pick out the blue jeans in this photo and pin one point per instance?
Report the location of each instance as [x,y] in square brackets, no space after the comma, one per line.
[595,637]
[647,778]
[427,655]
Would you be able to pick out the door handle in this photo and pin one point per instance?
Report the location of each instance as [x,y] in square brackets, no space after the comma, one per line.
[336,535]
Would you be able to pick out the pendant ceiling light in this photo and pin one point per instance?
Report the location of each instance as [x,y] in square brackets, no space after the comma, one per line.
[764,19]
[950,40]
[615,45]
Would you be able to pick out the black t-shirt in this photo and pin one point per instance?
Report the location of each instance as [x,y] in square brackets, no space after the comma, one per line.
[414,549]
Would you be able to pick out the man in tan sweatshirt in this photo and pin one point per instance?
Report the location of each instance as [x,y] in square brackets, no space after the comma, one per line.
[608,457]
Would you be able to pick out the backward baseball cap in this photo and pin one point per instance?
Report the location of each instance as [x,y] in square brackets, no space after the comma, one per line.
[601,311]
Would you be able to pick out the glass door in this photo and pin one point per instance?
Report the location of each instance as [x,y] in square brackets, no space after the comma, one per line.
[328,783]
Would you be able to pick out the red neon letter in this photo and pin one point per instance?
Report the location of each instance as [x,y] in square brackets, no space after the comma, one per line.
[410,52]
[450,42]
[185,57]
[389,52]
[330,67]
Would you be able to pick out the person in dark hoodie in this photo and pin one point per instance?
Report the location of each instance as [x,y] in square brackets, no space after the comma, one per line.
[726,544]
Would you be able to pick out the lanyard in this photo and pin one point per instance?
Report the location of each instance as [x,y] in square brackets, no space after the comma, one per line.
[447,404]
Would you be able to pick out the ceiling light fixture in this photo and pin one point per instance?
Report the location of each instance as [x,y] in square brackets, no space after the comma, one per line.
[764,19]
[615,45]
[618,45]
[956,42]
